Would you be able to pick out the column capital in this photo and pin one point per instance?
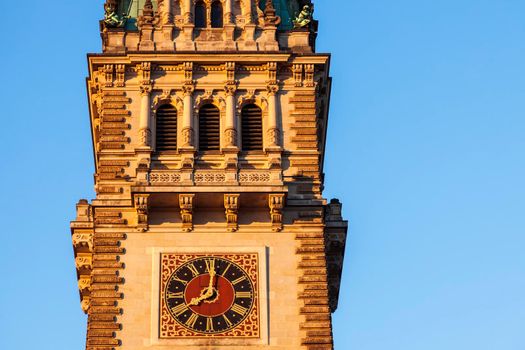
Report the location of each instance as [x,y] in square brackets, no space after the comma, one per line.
[145,89]
[230,89]
[272,89]
[188,89]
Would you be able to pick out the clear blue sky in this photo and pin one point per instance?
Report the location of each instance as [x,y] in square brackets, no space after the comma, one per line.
[426,151]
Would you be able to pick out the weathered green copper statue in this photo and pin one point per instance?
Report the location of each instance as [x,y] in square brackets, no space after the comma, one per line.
[304,18]
[111,18]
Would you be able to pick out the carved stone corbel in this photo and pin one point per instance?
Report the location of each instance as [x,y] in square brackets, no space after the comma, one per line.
[230,73]
[186,211]
[83,241]
[108,75]
[309,75]
[121,75]
[231,204]
[297,70]
[276,204]
[86,302]
[142,207]
[272,73]
[84,283]
[84,262]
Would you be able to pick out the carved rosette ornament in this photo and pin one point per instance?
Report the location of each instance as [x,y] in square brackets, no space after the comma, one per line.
[186,211]
[276,204]
[231,204]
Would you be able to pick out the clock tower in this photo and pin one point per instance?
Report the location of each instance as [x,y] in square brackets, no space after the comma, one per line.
[209,229]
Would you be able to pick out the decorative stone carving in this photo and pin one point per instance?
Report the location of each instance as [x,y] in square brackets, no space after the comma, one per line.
[309,75]
[83,241]
[186,211]
[84,283]
[230,136]
[187,136]
[164,178]
[230,89]
[141,205]
[108,75]
[84,262]
[254,177]
[270,17]
[297,70]
[188,73]
[272,73]
[144,70]
[147,17]
[121,75]
[272,89]
[274,136]
[230,73]
[188,89]
[231,204]
[276,204]
[209,177]
[85,303]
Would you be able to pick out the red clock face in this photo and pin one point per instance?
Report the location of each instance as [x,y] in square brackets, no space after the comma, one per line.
[209,295]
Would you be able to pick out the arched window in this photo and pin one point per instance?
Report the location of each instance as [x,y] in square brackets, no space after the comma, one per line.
[166,128]
[216,14]
[209,128]
[252,132]
[200,15]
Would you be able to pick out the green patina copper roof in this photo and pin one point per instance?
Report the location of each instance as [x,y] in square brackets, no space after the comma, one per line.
[286,9]
[133,9]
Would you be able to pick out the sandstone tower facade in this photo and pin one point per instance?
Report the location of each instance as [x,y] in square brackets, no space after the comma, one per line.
[209,229]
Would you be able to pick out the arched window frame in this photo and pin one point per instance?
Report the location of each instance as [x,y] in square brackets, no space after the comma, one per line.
[260,102]
[205,99]
[165,98]
[216,19]
[205,14]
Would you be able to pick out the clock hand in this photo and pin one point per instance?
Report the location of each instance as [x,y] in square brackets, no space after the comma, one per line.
[205,293]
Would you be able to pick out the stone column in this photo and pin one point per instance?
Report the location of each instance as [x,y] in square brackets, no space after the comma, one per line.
[249,27]
[144,119]
[187,117]
[229,26]
[273,131]
[228,12]
[188,13]
[231,120]
[186,42]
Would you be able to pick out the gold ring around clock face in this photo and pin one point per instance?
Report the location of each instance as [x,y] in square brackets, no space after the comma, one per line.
[209,295]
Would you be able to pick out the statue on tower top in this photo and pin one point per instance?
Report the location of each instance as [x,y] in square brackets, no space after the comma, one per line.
[111,18]
[305,17]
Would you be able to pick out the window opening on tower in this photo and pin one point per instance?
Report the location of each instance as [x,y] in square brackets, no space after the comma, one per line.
[209,128]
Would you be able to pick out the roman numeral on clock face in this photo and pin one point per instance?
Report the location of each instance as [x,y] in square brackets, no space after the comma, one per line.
[193,270]
[241,310]
[210,265]
[239,280]
[226,269]
[178,295]
[243,294]
[209,324]
[179,309]
[192,320]
[227,320]
[175,278]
